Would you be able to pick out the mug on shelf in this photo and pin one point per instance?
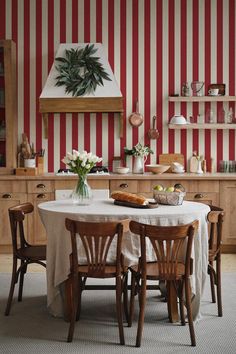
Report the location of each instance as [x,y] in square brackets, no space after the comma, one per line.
[213,92]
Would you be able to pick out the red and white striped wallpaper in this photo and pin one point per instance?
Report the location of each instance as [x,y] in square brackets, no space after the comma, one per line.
[153,47]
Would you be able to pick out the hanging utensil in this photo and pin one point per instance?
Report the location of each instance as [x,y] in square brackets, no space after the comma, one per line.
[136,119]
[153,133]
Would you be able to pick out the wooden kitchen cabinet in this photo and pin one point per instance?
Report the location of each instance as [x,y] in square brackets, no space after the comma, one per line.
[228,203]
[39,191]
[7,200]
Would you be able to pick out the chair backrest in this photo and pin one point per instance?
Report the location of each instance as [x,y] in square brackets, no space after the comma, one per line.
[170,243]
[215,218]
[17,216]
[96,238]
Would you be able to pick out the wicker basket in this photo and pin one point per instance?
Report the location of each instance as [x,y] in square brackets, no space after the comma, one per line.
[169,198]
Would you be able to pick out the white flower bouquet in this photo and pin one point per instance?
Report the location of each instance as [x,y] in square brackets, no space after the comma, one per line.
[81,162]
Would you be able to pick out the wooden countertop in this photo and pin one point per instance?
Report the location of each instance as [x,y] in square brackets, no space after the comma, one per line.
[129,176]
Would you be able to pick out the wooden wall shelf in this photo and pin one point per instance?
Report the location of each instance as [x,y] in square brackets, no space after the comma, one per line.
[203,126]
[202,99]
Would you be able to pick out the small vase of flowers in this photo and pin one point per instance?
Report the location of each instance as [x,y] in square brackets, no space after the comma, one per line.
[140,153]
[81,163]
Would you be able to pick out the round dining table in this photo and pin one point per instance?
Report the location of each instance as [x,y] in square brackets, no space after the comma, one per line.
[54,213]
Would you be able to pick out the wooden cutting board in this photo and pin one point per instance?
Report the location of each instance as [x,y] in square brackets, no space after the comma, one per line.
[167,159]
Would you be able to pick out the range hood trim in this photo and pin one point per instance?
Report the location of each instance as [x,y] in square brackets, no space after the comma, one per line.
[53,103]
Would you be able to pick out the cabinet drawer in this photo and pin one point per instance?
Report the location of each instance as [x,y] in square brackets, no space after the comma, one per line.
[210,198]
[39,186]
[124,185]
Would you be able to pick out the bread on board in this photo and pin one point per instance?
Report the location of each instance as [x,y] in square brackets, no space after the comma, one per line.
[129,197]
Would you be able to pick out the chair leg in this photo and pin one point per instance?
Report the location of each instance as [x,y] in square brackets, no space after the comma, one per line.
[212,281]
[119,309]
[74,306]
[125,297]
[181,303]
[189,311]
[78,310]
[22,274]
[131,303]
[12,287]
[218,284]
[142,304]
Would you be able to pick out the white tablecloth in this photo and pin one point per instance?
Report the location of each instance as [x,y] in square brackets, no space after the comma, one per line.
[53,216]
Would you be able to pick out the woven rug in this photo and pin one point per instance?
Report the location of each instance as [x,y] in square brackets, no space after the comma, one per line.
[31,329]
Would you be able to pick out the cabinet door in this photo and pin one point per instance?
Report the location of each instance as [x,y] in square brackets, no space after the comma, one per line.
[37,229]
[228,203]
[8,200]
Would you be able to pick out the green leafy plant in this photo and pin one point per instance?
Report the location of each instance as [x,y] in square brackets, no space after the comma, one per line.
[80,71]
[138,150]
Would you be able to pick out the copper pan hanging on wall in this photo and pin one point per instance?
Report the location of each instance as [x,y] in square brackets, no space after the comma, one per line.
[136,119]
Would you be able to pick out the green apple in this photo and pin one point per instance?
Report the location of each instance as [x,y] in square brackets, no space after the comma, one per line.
[159,188]
[170,189]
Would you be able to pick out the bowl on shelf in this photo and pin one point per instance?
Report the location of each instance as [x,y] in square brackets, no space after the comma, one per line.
[122,170]
[157,169]
[178,119]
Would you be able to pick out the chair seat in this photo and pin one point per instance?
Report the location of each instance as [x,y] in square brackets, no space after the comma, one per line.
[35,253]
[153,271]
[110,271]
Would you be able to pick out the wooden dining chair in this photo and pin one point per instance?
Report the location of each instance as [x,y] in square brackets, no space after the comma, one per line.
[215,218]
[169,244]
[96,239]
[22,250]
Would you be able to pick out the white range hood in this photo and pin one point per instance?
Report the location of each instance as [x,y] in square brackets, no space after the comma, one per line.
[106,98]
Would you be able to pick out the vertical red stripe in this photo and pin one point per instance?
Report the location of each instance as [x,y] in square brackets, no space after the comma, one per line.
[87,21]
[195,49]
[111,61]
[14,23]
[207,75]
[232,72]
[147,71]
[75,132]
[3,19]
[123,16]
[99,115]
[219,74]
[171,68]
[38,141]
[87,40]
[183,68]
[26,68]
[74,21]
[159,78]
[62,115]
[50,61]
[135,88]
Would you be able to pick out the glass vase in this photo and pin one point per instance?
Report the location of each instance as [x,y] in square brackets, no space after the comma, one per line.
[82,194]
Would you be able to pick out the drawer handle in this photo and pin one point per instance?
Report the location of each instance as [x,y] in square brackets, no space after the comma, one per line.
[124,185]
[41,196]
[6,196]
[41,185]
[199,196]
